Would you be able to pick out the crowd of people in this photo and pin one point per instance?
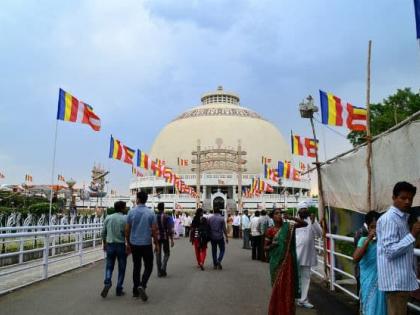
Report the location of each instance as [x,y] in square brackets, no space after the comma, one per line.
[384,256]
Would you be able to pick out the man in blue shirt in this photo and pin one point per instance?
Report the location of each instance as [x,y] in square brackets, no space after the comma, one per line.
[396,263]
[217,226]
[141,227]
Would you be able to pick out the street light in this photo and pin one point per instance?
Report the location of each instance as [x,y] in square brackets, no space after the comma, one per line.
[308,108]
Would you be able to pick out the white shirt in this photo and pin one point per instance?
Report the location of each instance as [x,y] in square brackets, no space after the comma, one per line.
[255,226]
[305,243]
[236,220]
[245,222]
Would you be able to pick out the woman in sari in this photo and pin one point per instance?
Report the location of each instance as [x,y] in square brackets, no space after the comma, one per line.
[280,245]
[372,301]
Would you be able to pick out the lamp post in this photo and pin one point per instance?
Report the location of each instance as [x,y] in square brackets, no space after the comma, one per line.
[307,109]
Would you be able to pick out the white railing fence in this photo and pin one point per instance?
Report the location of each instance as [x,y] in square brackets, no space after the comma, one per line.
[334,270]
[43,246]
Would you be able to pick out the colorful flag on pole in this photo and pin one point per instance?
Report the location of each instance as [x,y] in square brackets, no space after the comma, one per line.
[143,160]
[417,14]
[2,175]
[61,178]
[265,160]
[182,162]
[357,118]
[28,178]
[119,151]
[334,113]
[284,169]
[135,171]
[73,110]
[303,146]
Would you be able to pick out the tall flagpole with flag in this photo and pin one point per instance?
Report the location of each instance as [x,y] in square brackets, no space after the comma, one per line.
[417,15]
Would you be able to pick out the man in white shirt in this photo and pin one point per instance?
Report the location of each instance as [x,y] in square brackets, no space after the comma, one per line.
[236,224]
[305,250]
[256,236]
[246,231]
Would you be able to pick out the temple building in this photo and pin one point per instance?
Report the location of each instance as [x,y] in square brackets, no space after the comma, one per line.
[221,144]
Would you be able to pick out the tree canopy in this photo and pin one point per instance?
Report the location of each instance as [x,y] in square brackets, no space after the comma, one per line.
[387,114]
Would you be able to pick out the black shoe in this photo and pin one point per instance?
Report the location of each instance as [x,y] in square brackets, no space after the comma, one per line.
[143,295]
[215,267]
[105,290]
[136,292]
[219,266]
[120,293]
[164,274]
[202,267]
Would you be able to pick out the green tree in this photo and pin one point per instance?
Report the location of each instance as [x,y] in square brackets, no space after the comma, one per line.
[387,114]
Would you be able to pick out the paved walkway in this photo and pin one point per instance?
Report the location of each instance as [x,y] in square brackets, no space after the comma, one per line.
[242,287]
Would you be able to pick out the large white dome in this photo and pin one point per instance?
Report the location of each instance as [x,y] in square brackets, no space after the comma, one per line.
[220,121]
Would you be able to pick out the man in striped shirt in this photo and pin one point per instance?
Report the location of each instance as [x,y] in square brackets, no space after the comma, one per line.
[396,262]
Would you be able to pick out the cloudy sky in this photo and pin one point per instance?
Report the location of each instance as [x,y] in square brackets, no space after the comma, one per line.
[141,63]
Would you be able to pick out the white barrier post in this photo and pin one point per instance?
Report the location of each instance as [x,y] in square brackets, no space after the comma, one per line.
[332,263]
[46,253]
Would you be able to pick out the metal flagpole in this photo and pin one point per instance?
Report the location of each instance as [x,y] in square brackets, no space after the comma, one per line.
[53,171]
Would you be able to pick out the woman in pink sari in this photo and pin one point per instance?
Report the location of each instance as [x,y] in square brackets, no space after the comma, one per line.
[280,245]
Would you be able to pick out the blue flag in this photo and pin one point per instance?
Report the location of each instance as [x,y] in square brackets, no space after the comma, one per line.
[417,13]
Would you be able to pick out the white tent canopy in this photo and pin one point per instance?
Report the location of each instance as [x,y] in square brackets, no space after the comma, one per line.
[395,157]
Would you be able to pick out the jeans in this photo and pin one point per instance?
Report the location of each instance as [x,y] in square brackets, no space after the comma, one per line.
[115,251]
[235,231]
[214,245]
[187,231]
[145,253]
[246,233]
[256,247]
[164,247]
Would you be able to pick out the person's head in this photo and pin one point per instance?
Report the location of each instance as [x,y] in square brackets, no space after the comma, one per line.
[177,215]
[216,209]
[161,207]
[371,216]
[263,212]
[236,212]
[372,225]
[186,214]
[303,211]
[246,212]
[141,197]
[199,212]
[276,215]
[257,213]
[403,195]
[229,215]
[119,206]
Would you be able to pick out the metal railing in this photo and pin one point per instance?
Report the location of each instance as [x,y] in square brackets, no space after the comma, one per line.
[333,268]
[44,246]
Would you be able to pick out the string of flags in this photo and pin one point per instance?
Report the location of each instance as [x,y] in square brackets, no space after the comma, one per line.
[119,151]
[136,172]
[303,146]
[265,160]
[182,162]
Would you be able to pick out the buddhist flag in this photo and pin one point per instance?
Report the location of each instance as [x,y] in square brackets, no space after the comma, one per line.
[2,176]
[73,110]
[297,146]
[28,178]
[60,178]
[284,169]
[119,151]
[331,109]
[265,160]
[357,118]
[143,160]
[311,147]
[417,14]
[182,162]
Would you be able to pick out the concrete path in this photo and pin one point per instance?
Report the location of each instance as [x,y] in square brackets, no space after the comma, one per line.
[242,287]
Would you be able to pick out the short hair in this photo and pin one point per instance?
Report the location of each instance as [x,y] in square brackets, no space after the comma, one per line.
[216,209]
[257,213]
[371,216]
[142,197]
[161,206]
[263,212]
[119,206]
[403,186]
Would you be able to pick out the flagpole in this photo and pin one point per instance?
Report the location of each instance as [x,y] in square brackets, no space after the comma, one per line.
[53,170]
[368,134]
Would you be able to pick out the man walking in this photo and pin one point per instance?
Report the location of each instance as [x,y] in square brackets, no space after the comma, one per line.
[166,227]
[256,236]
[217,230]
[305,251]
[396,263]
[141,226]
[114,246]
[236,224]
[246,230]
